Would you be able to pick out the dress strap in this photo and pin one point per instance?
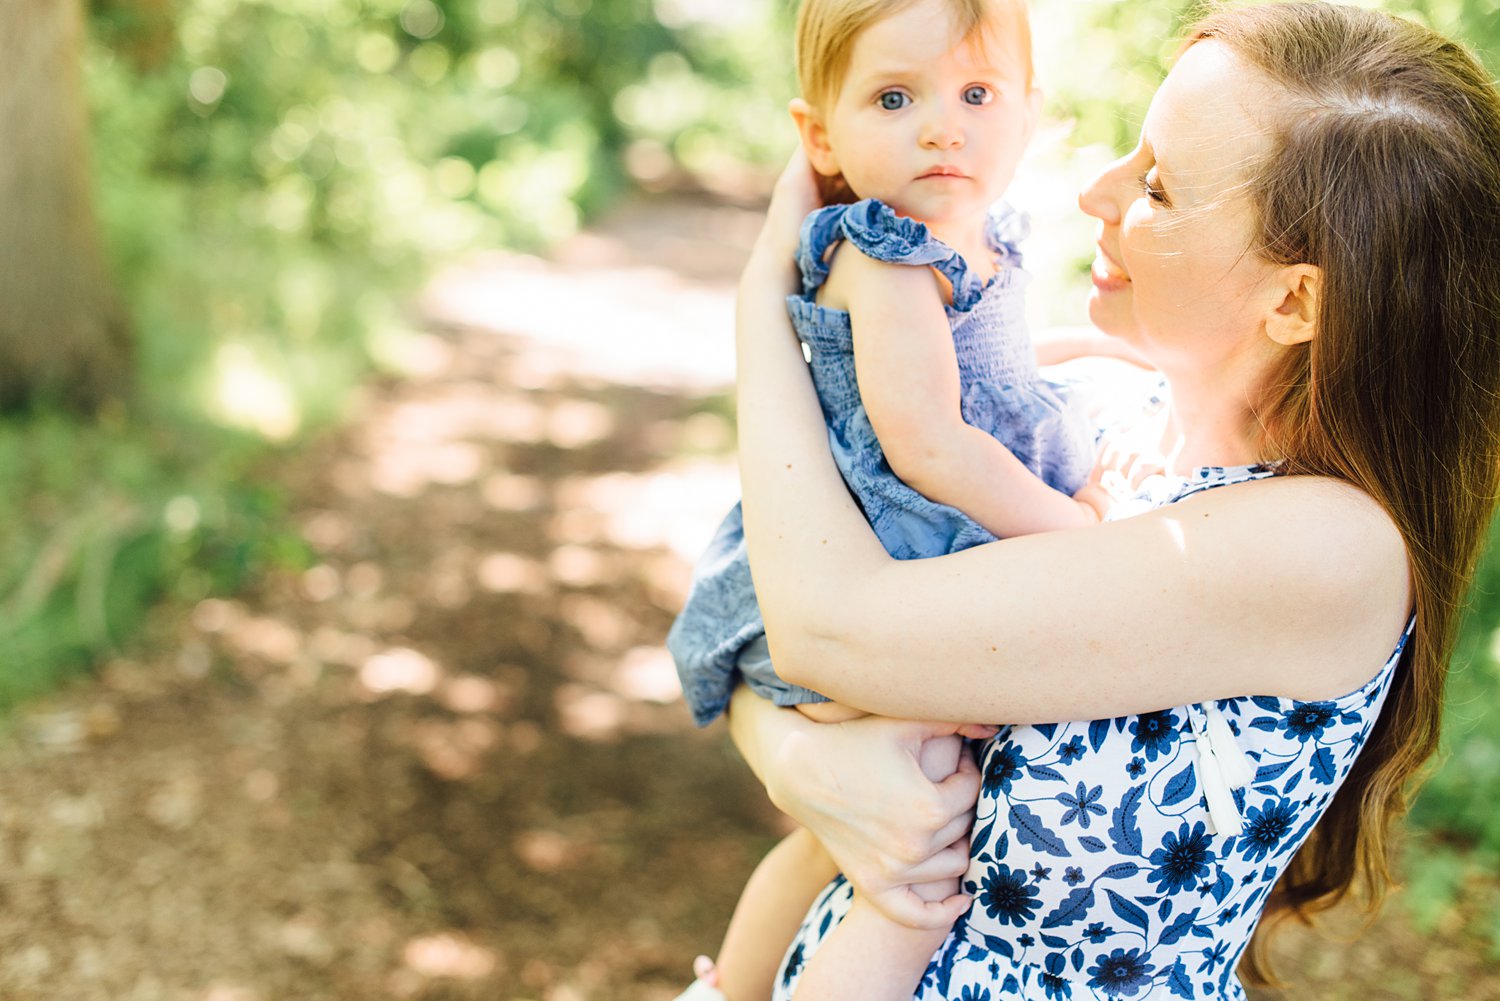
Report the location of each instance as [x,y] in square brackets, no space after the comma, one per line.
[881,234]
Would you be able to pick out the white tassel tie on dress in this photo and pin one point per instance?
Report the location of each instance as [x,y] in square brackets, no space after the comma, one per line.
[1222,768]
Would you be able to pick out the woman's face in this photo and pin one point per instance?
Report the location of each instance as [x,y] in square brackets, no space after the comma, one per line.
[1177,274]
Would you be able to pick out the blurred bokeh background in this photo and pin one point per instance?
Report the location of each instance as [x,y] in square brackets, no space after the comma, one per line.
[365,371]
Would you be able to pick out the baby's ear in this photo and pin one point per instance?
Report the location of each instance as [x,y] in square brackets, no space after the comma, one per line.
[814,137]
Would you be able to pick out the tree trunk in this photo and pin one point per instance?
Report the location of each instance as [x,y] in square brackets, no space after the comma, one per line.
[63,334]
[147,36]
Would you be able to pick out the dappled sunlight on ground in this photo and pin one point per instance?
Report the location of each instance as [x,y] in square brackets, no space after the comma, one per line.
[446,759]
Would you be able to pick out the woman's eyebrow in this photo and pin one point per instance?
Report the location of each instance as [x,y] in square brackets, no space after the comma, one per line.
[1162,167]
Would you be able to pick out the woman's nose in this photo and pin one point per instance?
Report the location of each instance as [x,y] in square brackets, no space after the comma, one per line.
[1101,197]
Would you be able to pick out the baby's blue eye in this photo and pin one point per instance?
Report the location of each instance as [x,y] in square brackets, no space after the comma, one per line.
[893,100]
[978,95]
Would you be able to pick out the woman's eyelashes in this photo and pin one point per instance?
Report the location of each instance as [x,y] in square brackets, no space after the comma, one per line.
[1152,186]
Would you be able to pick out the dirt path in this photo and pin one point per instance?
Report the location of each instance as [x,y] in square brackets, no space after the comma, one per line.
[446,762]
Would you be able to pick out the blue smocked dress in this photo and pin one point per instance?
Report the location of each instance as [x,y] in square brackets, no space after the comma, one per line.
[720,636]
[1131,857]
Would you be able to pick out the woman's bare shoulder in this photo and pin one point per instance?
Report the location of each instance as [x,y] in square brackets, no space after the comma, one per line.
[1315,522]
[1330,562]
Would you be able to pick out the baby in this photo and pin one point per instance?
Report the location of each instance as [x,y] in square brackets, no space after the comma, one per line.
[915,114]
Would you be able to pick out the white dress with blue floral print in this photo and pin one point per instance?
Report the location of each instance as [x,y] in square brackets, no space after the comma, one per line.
[1131,857]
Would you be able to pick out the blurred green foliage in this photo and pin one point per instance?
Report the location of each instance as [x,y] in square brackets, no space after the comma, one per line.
[275,178]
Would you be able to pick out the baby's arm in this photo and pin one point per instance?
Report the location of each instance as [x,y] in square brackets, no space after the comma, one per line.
[1058,345]
[908,379]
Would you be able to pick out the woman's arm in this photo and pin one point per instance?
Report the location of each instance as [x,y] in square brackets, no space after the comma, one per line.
[909,384]
[1292,586]
[1060,344]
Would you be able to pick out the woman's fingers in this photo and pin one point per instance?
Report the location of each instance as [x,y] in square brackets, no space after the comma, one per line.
[955,830]
[794,196]
[797,185]
[960,791]
[842,781]
[903,906]
[949,863]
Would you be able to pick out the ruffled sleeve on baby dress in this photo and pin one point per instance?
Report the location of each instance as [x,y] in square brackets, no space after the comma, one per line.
[1005,227]
[882,235]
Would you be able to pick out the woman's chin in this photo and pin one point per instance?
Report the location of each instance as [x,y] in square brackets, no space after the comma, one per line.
[1112,314]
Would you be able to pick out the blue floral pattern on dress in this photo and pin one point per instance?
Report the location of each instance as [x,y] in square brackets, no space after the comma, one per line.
[720,637]
[1153,903]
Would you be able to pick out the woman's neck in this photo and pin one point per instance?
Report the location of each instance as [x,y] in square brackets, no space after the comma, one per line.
[1207,427]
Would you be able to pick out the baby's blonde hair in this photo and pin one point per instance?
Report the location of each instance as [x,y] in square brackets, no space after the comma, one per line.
[827,30]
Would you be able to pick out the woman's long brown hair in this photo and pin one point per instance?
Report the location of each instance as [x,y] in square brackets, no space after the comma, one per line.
[1384,171]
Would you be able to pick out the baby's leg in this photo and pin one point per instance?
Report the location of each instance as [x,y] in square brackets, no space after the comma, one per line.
[771,907]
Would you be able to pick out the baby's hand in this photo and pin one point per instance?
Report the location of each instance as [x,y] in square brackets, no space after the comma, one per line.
[1095,500]
[1120,472]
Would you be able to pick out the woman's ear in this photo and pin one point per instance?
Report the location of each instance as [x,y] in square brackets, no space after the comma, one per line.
[814,137]
[1295,318]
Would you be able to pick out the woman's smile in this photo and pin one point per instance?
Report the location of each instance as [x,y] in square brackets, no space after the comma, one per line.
[1107,275]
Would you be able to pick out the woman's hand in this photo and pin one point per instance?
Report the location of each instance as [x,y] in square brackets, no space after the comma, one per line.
[858,786]
[793,197]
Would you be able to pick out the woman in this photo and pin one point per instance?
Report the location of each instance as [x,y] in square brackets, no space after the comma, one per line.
[1306,242]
